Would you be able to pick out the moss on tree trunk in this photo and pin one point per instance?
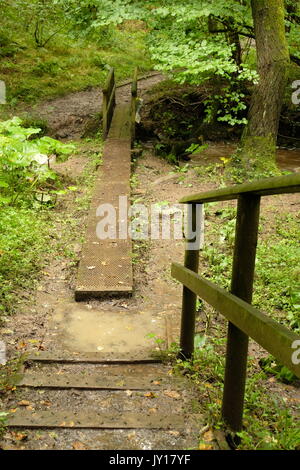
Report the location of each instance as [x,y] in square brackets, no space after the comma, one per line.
[258,144]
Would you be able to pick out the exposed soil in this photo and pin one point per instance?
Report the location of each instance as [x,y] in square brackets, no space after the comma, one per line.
[72,116]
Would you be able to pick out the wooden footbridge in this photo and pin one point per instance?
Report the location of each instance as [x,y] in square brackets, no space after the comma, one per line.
[106,268]
[106,263]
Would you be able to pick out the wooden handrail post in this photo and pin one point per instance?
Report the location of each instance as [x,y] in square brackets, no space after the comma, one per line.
[241,286]
[134,94]
[189,299]
[109,101]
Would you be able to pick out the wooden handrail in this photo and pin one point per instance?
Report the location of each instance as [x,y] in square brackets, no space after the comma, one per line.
[271,335]
[243,319]
[264,187]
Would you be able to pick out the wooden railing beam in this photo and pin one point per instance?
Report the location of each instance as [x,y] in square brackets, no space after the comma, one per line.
[265,187]
[271,335]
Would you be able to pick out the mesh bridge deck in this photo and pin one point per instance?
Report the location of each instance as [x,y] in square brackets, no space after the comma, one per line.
[106,265]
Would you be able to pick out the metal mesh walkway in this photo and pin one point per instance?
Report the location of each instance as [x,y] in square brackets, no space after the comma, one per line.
[106,265]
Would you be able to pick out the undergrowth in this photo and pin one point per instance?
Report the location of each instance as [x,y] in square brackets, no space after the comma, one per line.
[30,236]
[268,423]
[67,65]
[277,279]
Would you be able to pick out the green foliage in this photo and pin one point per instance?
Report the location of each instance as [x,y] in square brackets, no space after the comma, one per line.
[278,274]
[277,280]
[196,148]
[42,19]
[30,235]
[23,248]
[24,161]
[3,421]
[268,424]
[270,365]
[9,375]
[193,41]
[47,52]
[228,107]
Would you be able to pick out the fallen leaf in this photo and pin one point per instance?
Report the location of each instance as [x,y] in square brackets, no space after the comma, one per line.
[77,445]
[149,395]
[172,394]
[24,403]
[203,446]
[129,393]
[152,410]
[208,436]
[46,403]
[208,385]
[6,331]
[19,436]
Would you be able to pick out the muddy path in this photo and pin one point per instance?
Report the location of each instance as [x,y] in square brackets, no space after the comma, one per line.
[68,117]
[52,321]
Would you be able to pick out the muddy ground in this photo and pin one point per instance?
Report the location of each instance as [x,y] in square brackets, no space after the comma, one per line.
[77,114]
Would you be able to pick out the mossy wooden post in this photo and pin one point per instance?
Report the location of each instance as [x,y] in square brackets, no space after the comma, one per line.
[109,101]
[189,298]
[134,93]
[242,287]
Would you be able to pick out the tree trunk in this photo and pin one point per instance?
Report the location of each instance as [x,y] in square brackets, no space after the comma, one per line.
[260,136]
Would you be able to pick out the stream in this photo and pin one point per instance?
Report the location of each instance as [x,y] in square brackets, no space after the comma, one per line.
[287,159]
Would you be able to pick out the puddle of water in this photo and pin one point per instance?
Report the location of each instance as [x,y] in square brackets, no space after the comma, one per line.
[83,329]
[287,159]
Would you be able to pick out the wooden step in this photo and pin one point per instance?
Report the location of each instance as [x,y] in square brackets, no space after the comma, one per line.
[89,419]
[67,357]
[94,381]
